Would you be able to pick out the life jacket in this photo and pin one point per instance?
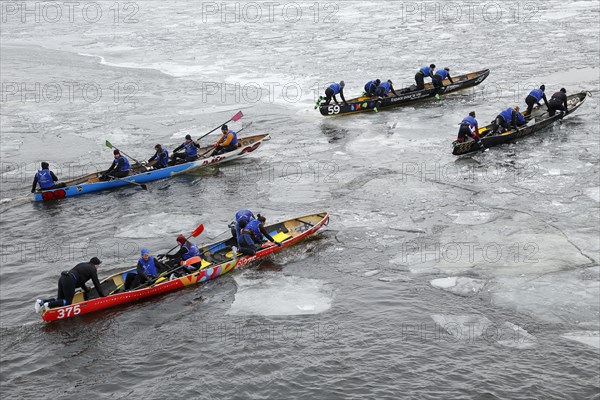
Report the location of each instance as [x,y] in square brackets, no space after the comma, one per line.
[442,72]
[537,93]
[124,167]
[386,87]
[164,161]
[507,114]
[370,86]
[426,71]
[148,266]
[192,251]
[45,178]
[254,227]
[336,88]
[234,141]
[190,149]
[246,215]
[520,117]
[469,120]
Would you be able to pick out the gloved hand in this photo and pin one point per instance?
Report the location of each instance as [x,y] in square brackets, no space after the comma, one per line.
[278,244]
[32,190]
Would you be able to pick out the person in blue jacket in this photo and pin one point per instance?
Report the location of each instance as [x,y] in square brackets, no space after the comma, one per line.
[534,98]
[507,118]
[241,215]
[258,231]
[384,88]
[161,156]
[422,73]
[45,178]
[119,168]
[332,90]
[469,127]
[371,87]
[147,270]
[190,154]
[438,80]
[245,240]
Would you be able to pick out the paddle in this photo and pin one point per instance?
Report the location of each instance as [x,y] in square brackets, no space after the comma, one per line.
[110,146]
[234,118]
[196,232]
[211,149]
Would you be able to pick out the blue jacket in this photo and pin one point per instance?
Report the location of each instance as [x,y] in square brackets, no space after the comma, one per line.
[121,166]
[192,251]
[537,93]
[442,72]
[370,86]
[426,71]
[147,268]
[44,178]
[507,114]
[471,121]
[386,86]
[336,88]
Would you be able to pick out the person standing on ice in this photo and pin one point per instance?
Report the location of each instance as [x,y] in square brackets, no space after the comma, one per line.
[45,178]
[332,90]
[422,73]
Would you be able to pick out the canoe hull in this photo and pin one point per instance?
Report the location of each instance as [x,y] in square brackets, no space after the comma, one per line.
[543,121]
[363,104]
[309,225]
[249,144]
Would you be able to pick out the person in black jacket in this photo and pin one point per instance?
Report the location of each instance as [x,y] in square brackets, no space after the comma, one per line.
[558,101]
[70,280]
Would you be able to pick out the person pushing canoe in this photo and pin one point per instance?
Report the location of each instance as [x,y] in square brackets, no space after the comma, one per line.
[558,102]
[227,142]
[69,281]
[257,231]
[508,117]
[161,157]
[46,178]
[371,87]
[245,240]
[191,151]
[384,88]
[438,80]
[332,90]
[119,168]
[422,73]
[534,98]
[241,215]
[469,127]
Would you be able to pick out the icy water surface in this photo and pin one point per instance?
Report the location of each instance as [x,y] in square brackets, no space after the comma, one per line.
[437,277]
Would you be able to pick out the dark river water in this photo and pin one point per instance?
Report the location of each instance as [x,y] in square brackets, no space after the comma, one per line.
[437,278]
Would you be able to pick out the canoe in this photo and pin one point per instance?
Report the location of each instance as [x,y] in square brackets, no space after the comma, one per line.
[406,97]
[538,120]
[141,174]
[219,261]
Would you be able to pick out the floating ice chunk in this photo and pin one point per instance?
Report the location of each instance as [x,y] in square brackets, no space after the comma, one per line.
[472,217]
[371,273]
[593,193]
[463,327]
[511,335]
[591,338]
[461,286]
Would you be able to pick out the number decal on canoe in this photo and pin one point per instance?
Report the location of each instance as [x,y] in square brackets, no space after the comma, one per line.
[53,195]
[333,109]
[69,311]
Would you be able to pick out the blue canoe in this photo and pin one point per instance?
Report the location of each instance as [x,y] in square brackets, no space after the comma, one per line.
[142,174]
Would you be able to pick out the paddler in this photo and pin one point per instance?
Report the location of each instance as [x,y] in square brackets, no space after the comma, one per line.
[118,169]
[422,73]
[384,88]
[534,98]
[161,156]
[438,80]
[227,142]
[45,178]
[191,151]
[334,89]
[371,87]
[241,215]
[558,101]
[70,280]
[257,230]
[508,117]
[469,127]
[148,268]
[245,241]
[186,251]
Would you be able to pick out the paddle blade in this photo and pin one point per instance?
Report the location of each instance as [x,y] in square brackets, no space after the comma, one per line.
[108,144]
[198,230]
[237,116]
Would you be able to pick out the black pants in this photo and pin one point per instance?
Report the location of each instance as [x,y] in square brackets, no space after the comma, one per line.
[220,149]
[133,280]
[182,156]
[328,95]
[500,122]
[554,106]
[531,102]
[66,291]
[420,79]
[464,132]
[115,174]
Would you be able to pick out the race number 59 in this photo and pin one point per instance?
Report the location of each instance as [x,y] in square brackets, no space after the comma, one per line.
[333,109]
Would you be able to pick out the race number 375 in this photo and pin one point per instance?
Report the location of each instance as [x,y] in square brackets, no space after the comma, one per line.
[68,311]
